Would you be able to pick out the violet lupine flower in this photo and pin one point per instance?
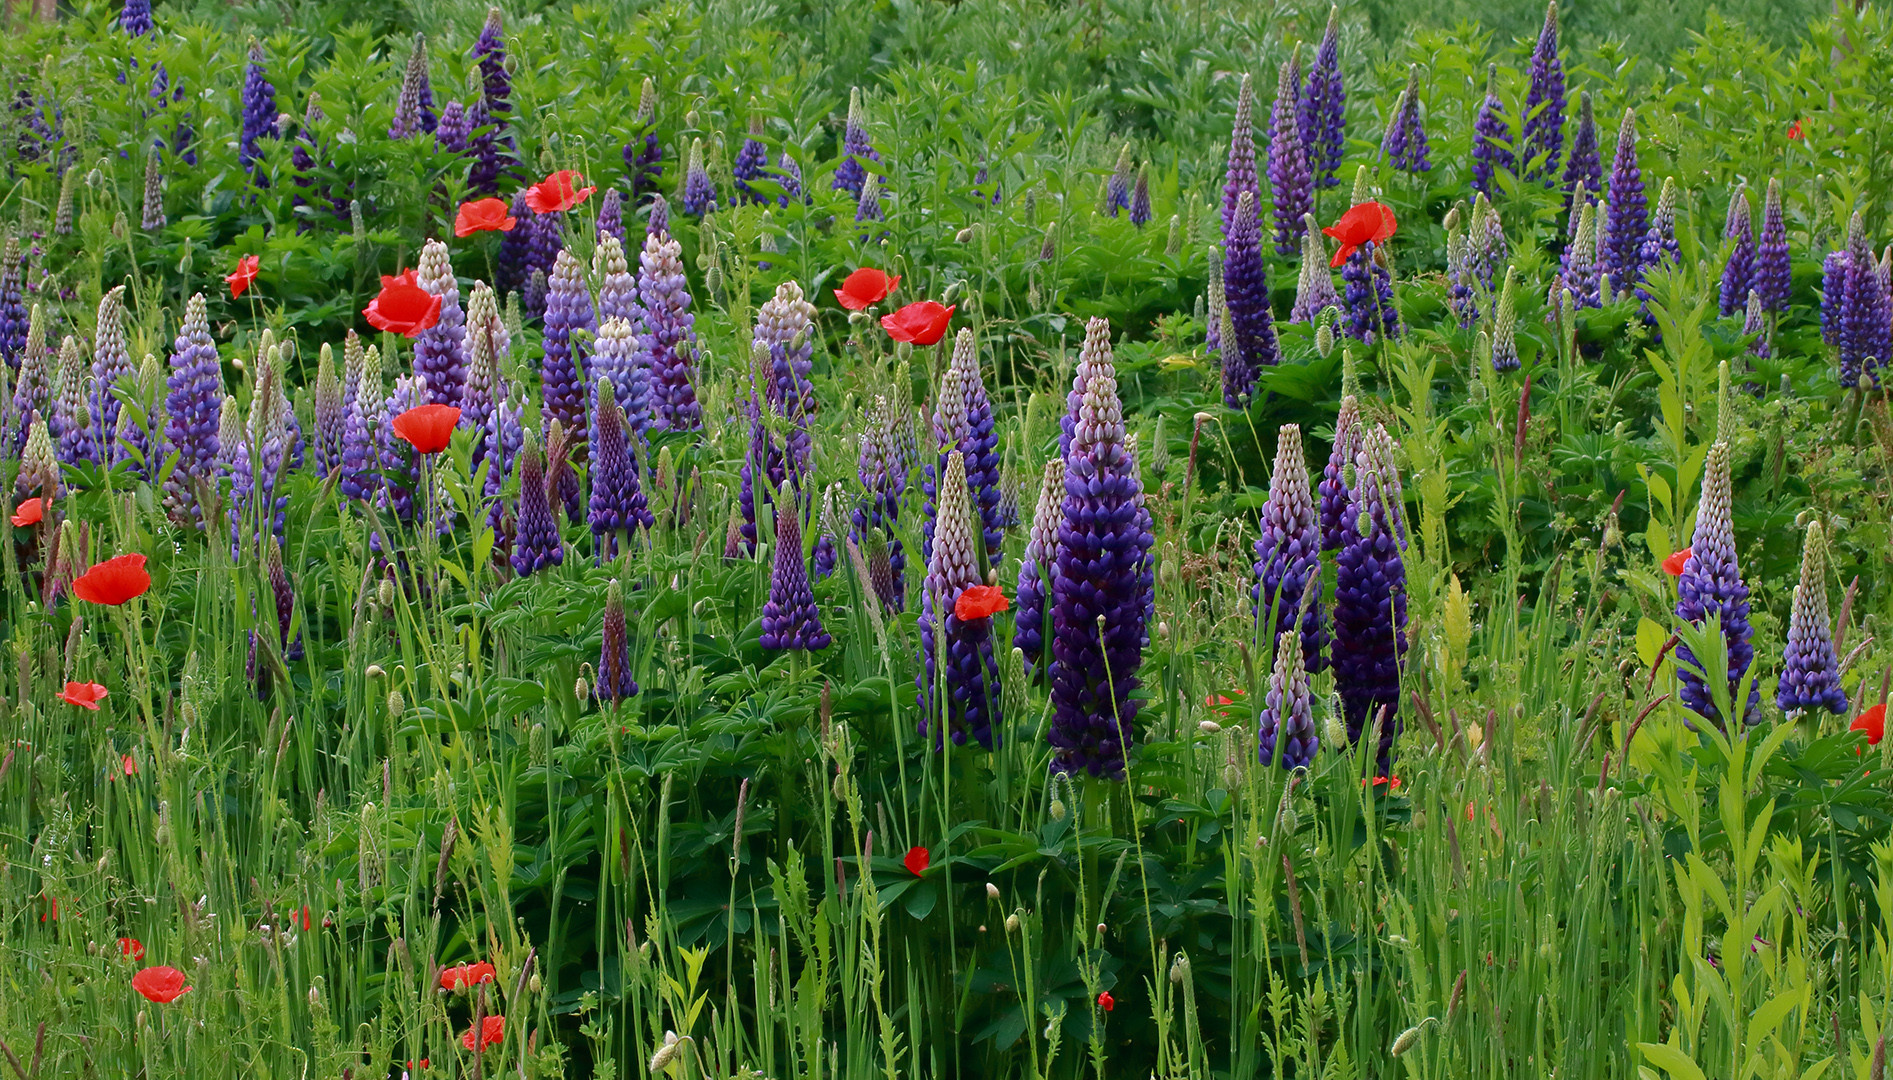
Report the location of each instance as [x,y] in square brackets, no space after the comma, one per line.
[1810,674]
[1461,297]
[1140,197]
[153,209]
[489,346]
[1629,209]
[1406,144]
[1288,553]
[39,465]
[614,650]
[1505,328]
[273,449]
[752,162]
[1037,566]
[850,173]
[1580,271]
[515,261]
[489,149]
[1544,104]
[611,218]
[1755,323]
[501,439]
[789,617]
[699,190]
[361,431]
[617,505]
[1370,599]
[785,327]
[496,87]
[259,113]
[32,386]
[1098,592]
[1739,272]
[14,316]
[616,360]
[414,109]
[111,365]
[72,421]
[972,419]
[536,544]
[440,353]
[955,655]
[1323,108]
[1486,246]
[666,335]
[1711,584]
[1367,295]
[135,17]
[1314,288]
[1093,356]
[1659,241]
[562,484]
[657,218]
[884,478]
[330,419]
[789,175]
[1855,307]
[1491,138]
[868,207]
[454,132]
[191,406]
[1772,278]
[1584,173]
[951,435]
[1240,177]
[1246,294]
[1336,489]
[1290,182]
[400,468]
[569,325]
[644,156]
[617,288]
[1287,713]
[1117,188]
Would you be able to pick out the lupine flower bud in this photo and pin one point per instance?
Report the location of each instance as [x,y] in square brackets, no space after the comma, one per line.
[111,365]
[1140,197]
[1406,144]
[153,219]
[614,656]
[699,189]
[490,52]
[1117,192]
[1505,327]
[1772,278]
[850,173]
[1323,108]
[1711,584]
[537,543]
[39,464]
[1580,274]
[1246,293]
[1584,172]
[1738,273]
[1287,716]
[414,109]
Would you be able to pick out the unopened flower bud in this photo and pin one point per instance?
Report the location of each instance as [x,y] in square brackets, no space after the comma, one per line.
[992,891]
[1012,923]
[385,593]
[1209,727]
[1057,809]
[395,704]
[374,672]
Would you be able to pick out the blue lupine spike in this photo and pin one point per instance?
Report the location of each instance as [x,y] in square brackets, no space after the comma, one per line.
[666,334]
[1544,104]
[1246,294]
[1810,675]
[440,353]
[850,173]
[537,544]
[1739,271]
[1290,182]
[1491,138]
[1370,599]
[1711,584]
[614,650]
[1287,714]
[1288,552]
[259,113]
[1323,109]
[1038,565]
[1239,177]
[1584,172]
[1773,273]
[955,655]
[569,326]
[790,619]
[1629,209]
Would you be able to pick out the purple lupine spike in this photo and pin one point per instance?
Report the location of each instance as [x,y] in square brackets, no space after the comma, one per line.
[611,218]
[785,326]
[32,387]
[1098,592]
[1580,270]
[1140,197]
[1093,356]
[489,346]
[614,650]
[1336,489]
[1290,182]
[885,480]
[414,109]
[153,219]
[851,173]
[1314,288]
[440,353]
[487,146]
[789,617]
[963,422]
[1367,295]
[1755,324]
[868,207]
[955,656]
[1322,112]
[763,465]
[111,366]
[1491,138]
[191,407]
[562,484]
[259,113]
[1772,277]
[1239,177]
[1486,246]
[1738,273]
[666,334]
[72,420]
[699,189]
[496,86]
[503,437]
[132,443]
[303,159]
[658,219]
[361,431]
[1629,208]
[515,257]
[1288,553]
[1370,599]
[1505,328]
[824,557]
[1544,104]
[15,319]
[951,435]
[1462,298]
[1246,294]
[1711,584]
[1810,674]
[1406,144]
[135,17]
[1584,172]
[569,325]
[1855,309]
[1287,713]
[789,175]
[273,447]
[617,505]
[1117,188]
[752,162]
[644,157]
[617,360]
[454,132]
[1659,241]
[536,545]
[329,416]
[1038,564]
[400,470]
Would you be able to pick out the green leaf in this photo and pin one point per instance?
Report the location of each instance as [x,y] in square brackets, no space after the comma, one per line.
[1650,639]
[1672,1060]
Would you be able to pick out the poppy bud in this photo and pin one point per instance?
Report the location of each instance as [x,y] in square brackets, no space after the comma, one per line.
[1012,923]
[1180,968]
[1057,809]
[395,704]
[386,593]
[1163,629]
[963,235]
[1210,727]
[374,672]
[1407,1038]
[581,690]
[992,891]
[1324,340]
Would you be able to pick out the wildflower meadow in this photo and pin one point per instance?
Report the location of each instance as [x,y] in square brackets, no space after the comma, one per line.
[998,539]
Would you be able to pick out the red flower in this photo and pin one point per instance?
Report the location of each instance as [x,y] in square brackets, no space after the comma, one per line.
[240,278]
[492,1031]
[1379,780]
[1794,130]
[979,602]
[557,192]
[303,918]
[916,860]
[160,984]
[29,512]
[1106,1001]
[921,323]
[462,976]
[129,764]
[403,307]
[865,286]
[427,427]
[131,948]
[483,215]
[86,695]
[412,1065]
[1873,722]
[1366,222]
[113,581]
[1674,564]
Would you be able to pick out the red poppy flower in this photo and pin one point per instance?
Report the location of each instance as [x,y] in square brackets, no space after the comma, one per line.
[113,581]
[240,278]
[131,948]
[403,307]
[1368,222]
[462,976]
[492,1032]
[483,215]
[916,860]
[160,984]
[29,512]
[129,764]
[1794,130]
[865,286]
[979,602]
[303,918]
[1673,565]
[412,1065]
[920,323]
[1379,780]
[1873,722]
[427,428]
[86,695]
[1106,1001]
[557,192]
